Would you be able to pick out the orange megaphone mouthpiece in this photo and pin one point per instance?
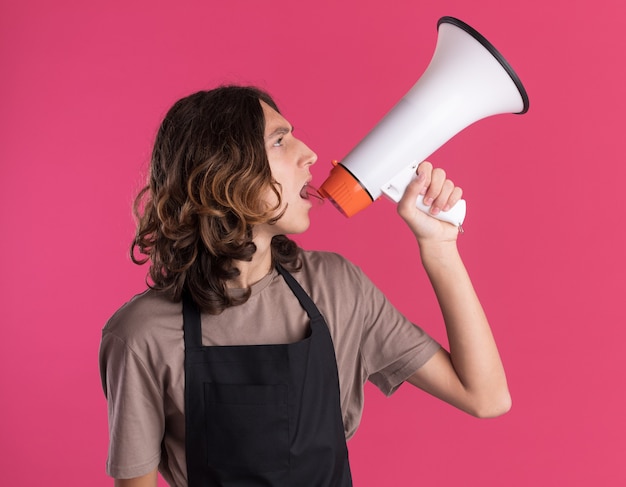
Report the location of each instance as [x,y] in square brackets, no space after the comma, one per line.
[345,191]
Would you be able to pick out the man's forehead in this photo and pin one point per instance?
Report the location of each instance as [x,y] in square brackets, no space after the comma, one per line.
[275,123]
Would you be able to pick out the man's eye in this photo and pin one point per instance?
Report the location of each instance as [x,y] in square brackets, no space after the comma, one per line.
[278,143]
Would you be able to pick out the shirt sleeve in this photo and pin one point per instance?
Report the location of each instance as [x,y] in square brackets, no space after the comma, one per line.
[392,348]
[135,410]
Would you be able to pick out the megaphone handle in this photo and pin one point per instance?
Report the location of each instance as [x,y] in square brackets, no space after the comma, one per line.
[394,190]
[455,215]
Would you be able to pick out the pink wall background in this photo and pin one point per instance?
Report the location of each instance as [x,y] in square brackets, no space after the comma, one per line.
[84,86]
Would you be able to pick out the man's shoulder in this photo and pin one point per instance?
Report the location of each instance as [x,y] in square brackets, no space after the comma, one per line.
[329,261]
[331,270]
[145,314]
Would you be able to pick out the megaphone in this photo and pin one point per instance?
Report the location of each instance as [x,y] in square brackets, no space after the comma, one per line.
[467,80]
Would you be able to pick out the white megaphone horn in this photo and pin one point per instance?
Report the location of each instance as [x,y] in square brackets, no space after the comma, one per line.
[466,81]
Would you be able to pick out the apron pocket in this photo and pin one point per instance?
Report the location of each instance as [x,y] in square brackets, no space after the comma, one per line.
[247,427]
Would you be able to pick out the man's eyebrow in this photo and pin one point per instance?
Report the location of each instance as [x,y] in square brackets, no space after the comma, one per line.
[282,130]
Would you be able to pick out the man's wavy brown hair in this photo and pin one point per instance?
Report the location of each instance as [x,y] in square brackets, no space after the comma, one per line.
[208,174]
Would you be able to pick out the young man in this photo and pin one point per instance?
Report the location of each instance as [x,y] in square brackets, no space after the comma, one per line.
[245,361]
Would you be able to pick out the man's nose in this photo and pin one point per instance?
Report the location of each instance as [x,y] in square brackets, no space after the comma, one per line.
[310,157]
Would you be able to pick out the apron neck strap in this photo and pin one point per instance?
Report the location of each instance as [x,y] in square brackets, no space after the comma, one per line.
[305,301]
[192,328]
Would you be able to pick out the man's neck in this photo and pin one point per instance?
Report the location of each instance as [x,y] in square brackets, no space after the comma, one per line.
[256,269]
